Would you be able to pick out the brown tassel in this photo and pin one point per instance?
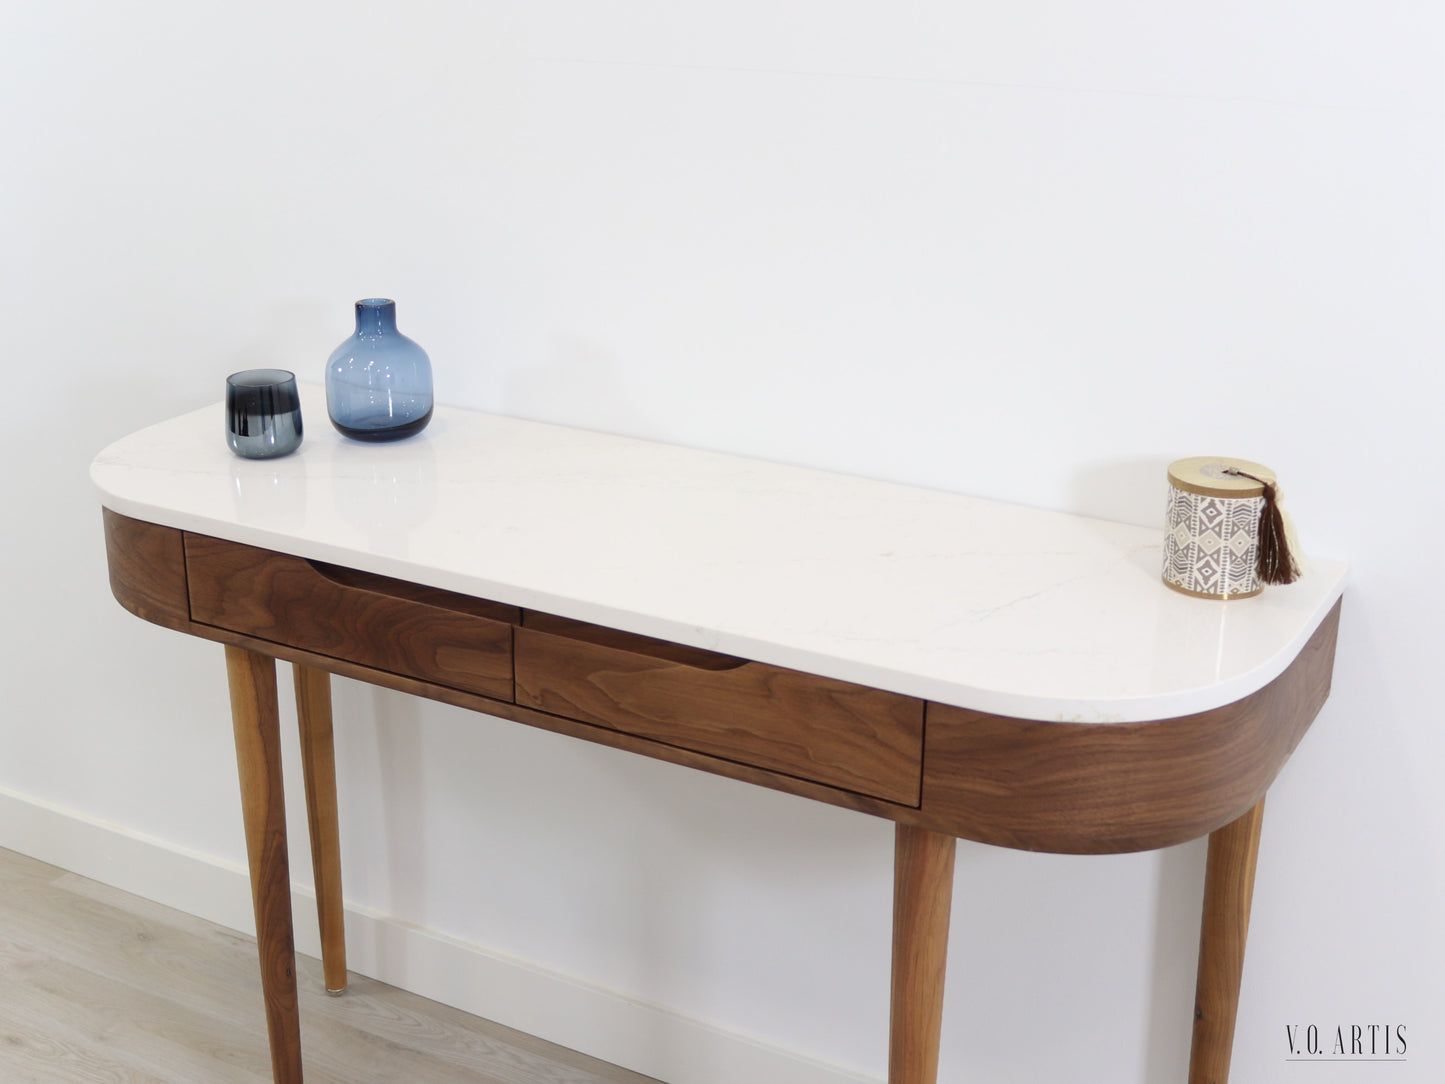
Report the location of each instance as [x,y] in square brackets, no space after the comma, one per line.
[1276,563]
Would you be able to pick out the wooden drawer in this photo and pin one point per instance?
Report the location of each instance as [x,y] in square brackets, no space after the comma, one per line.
[403,628]
[831,732]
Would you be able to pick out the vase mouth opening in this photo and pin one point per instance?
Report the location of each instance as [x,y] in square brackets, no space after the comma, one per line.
[374,302]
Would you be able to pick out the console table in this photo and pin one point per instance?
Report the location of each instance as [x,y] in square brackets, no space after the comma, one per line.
[964,668]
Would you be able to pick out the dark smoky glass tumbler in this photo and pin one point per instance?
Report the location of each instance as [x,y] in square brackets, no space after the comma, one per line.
[263,413]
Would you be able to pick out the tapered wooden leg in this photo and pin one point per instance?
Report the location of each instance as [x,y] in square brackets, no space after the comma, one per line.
[318,767]
[922,896]
[1228,889]
[257,724]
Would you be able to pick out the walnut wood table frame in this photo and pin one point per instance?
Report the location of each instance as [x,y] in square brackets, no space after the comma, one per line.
[940,772]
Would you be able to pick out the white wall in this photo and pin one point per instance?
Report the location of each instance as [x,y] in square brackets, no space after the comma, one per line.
[1031,251]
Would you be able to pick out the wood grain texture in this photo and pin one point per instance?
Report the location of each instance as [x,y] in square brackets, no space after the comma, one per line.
[922,898]
[393,626]
[101,985]
[147,569]
[1228,891]
[256,721]
[832,732]
[318,769]
[614,739]
[1095,789]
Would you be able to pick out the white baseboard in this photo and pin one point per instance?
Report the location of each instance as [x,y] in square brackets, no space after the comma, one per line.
[646,1038]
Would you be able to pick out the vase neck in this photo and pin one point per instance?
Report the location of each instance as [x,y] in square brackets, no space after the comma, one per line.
[375,316]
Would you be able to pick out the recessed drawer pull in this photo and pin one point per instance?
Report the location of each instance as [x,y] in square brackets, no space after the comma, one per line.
[420,632]
[414,592]
[696,658]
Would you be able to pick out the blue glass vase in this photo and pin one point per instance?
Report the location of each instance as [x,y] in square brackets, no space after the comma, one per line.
[378,382]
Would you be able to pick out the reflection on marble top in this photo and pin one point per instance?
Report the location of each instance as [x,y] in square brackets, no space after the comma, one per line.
[1012,610]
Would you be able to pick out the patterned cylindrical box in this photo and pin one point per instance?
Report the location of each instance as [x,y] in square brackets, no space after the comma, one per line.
[1211,527]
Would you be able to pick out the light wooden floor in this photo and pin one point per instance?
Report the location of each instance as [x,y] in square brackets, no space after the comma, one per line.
[100,985]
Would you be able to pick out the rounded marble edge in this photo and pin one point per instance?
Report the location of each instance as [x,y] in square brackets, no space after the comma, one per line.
[991,701]
[1330,577]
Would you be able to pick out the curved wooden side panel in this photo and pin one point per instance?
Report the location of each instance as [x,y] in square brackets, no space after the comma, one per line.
[1081,788]
[148,570]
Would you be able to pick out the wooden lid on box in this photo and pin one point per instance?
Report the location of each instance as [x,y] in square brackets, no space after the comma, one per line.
[1205,474]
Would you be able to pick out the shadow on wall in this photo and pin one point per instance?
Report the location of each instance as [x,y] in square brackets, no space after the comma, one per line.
[401,792]
[579,383]
[291,334]
[1123,490]
[1178,908]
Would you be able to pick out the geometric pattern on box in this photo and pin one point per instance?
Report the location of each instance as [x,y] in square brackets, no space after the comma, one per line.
[1211,544]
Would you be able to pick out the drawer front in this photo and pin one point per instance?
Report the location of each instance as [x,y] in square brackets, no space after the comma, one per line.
[831,732]
[454,640]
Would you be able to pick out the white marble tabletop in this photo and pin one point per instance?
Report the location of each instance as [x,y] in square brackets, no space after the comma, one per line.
[998,607]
